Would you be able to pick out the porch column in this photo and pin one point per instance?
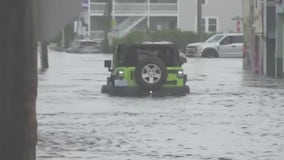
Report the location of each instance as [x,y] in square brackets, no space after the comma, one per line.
[89,18]
[178,14]
[279,46]
[148,15]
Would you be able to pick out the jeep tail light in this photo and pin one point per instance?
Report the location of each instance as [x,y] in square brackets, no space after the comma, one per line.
[120,73]
[180,74]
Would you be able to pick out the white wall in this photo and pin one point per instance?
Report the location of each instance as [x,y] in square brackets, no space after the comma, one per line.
[224,9]
[53,15]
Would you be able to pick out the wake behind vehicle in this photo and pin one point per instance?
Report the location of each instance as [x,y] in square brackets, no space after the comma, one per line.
[220,45]
[146,69]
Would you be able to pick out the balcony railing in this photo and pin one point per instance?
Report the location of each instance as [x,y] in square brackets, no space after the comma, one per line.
[136,8]
[130,7]
[164,7]
[97,35]
[97,7]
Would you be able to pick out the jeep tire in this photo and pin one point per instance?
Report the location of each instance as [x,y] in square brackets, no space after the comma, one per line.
[151,73]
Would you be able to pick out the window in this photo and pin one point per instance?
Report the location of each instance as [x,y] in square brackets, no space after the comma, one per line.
[130,56]
[212,25]
[209,24]
[202,1]
[238,39]
[232,39]
[227,40]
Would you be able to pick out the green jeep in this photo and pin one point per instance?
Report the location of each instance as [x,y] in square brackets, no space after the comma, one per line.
[146,69]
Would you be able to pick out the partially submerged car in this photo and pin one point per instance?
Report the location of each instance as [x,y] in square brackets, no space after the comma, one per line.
[146,69]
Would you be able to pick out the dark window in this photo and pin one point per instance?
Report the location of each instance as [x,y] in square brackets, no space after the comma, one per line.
[130,56]
[238,39]
[212,25]
[232,39]
[256,3]
[203,1]
[227,40]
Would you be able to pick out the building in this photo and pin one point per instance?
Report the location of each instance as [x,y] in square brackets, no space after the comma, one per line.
[131,15]
[263,36]
[80,24]
[279,38]
[218,15]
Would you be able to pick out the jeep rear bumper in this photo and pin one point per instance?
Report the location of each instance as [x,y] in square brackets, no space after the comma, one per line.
[137,91]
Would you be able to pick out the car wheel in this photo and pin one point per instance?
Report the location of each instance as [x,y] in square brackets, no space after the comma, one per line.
[151,73]
[210,53]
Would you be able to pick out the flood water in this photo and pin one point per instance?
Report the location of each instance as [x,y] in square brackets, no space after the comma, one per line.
[229,115]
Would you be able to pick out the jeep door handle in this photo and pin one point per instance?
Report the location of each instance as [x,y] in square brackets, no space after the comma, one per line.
[234,46]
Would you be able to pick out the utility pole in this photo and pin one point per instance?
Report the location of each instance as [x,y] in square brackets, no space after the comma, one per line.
[18,80]
[44,55]
[199,20]
[63,38]
[107,25]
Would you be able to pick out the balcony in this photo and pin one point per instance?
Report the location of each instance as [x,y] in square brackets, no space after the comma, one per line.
[97,35]
[132,9]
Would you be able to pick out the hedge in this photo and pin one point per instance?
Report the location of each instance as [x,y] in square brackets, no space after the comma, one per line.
[181,38]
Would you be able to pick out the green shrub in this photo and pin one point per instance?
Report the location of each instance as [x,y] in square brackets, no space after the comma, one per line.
[181,38]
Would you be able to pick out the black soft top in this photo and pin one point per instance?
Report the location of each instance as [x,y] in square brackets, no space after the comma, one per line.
[173,47]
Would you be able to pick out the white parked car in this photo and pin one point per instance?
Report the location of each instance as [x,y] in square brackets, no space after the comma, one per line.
[219,45]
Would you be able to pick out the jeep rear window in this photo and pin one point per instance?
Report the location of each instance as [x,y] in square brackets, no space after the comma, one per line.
[131,56]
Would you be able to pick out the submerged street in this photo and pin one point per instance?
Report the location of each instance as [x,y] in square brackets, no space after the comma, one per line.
[229,115]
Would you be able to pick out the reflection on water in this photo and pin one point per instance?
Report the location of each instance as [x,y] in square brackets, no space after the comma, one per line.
[230,115]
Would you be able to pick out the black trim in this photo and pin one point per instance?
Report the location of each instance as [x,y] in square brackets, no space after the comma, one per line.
[131,75]
[173,71]
[174,82]
[137,91]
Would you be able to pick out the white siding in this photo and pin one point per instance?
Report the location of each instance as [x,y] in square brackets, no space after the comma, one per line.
[225,10]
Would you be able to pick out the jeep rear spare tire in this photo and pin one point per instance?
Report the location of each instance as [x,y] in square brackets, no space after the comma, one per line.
[151,73]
